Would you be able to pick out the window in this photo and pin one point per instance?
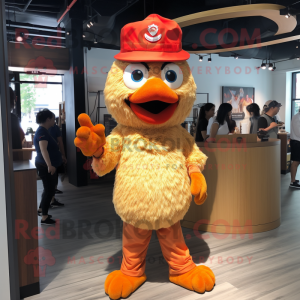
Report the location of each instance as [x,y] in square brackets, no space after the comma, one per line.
[36,93]
[295,93]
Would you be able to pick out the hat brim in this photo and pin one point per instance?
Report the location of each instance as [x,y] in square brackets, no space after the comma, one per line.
[147,56]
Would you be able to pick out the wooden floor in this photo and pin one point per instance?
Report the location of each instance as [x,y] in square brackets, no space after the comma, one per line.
[266,266]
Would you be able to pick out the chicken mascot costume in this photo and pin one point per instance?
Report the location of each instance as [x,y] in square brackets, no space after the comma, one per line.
[150,91]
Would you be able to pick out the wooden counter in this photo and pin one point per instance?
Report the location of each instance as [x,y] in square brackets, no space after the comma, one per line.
[26,213]
[243,189]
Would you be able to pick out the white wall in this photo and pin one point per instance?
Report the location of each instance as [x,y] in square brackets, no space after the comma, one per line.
[98,63]
[209,77]
[225,72]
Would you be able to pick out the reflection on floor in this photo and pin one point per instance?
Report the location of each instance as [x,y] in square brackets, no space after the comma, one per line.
[88,247]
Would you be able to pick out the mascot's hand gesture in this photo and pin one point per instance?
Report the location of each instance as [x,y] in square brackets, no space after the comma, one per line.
[198,188]
[90,139]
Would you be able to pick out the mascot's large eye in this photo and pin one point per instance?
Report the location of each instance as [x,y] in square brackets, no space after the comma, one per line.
[172,76]
[135,75]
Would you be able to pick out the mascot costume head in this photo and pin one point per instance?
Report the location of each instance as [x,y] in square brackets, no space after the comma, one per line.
[150,91]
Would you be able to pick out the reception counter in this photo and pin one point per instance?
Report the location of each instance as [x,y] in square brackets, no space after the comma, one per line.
[243,183]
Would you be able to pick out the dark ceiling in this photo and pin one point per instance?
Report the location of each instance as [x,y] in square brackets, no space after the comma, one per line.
[40,17]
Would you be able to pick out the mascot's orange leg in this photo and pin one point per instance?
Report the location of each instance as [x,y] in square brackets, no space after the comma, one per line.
[182,269]
[123,282]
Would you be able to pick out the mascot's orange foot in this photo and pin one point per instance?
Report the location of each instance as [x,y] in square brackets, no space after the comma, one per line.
[119,285]
[199,279]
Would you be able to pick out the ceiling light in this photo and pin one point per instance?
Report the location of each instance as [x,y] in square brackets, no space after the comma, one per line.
[270,66]
[83,35]
[209,59]
[91,23]
[200,58]
[68,32]
[88,25]
[236,57]
[296,46]
[274,68]
[20,37]
[263,66]
[287,15]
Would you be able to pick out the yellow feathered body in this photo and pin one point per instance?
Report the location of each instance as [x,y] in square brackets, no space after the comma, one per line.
[152,186]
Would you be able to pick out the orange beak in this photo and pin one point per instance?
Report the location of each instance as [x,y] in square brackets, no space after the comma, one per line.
[154,102]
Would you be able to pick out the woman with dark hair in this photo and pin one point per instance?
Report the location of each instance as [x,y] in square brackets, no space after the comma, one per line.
[207,111]
[254,111]
[220,122]
[47,160]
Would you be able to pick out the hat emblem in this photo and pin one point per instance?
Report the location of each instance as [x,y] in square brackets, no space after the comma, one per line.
[152,29]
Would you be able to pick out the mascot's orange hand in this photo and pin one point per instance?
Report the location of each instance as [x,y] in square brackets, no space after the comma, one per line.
[90,139]
[198,188]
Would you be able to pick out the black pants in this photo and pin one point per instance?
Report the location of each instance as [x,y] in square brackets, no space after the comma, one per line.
[49,183]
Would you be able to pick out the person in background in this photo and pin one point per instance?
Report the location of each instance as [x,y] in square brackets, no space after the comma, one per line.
[264,107]
[267,122]
[276,118]
[254,112]
[295,149]
[56,134]
[207,111]
[232,127]
[47,160]
[18,136]
[220,122]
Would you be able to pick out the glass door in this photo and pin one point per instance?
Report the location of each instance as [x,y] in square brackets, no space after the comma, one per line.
[38,91]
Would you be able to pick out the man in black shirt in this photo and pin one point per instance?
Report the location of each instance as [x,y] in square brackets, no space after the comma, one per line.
[267,121]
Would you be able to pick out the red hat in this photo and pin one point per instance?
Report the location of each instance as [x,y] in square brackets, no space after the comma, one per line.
[153,39]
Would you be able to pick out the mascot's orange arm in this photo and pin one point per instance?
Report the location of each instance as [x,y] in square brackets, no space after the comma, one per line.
[111,154]
[198,187]
[195,162]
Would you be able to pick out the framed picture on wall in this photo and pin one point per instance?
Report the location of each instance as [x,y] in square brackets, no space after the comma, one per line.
[239,98]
